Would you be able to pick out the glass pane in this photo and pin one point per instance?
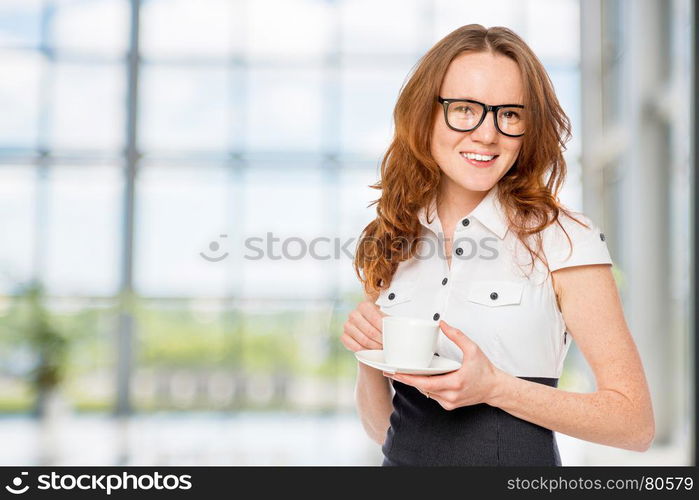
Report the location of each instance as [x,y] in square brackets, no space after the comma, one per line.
[20,23]
[180,213]
[19,99]
[90,381]
[83,330]
[393,26]
[566,82]
[368,98]
[285,110]
[553,29]
[273,27]
[184,108]
[83,234]
[284,211]
[181,28]
[90,26]
[571,194]
[355,196]
[451,15]
[203,355]
[17,212]
[89,106]
[187,357]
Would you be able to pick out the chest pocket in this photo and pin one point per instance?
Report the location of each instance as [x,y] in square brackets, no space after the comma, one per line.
[493,293]
[396,294]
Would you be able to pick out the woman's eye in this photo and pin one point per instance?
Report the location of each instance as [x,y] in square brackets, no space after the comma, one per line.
[463,109]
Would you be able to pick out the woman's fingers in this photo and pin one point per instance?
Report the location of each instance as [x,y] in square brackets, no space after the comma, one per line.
[364,326]
[362,330]
[363,339]
[372,313]
[350,343]
[439,397]
[360,338]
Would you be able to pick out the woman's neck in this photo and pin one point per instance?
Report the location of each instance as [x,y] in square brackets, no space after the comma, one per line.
[455,202]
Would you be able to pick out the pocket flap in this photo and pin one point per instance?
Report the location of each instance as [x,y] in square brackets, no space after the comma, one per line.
[495,293]
[396,294]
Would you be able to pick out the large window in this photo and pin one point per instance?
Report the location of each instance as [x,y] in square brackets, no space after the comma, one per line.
[247,125]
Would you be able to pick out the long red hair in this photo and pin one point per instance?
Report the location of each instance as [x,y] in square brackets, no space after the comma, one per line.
[410,177]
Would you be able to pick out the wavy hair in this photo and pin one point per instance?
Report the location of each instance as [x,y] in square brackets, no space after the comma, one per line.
[410,177]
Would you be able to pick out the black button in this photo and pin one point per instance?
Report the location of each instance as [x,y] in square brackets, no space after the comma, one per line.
[459,251]
[444,281]
[465,222]
[391,296]
[436,316]
[494,295]
[601,236]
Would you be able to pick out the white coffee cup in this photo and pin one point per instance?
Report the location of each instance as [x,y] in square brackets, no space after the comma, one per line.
[409,342]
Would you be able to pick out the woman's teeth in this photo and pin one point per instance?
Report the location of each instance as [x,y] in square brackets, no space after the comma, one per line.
[473,156]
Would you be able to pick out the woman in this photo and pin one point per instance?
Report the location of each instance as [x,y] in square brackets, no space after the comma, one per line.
[473,175]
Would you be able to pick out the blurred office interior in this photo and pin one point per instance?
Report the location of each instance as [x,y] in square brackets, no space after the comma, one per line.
[143,142]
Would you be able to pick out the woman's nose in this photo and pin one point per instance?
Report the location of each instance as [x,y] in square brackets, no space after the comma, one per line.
[486,132]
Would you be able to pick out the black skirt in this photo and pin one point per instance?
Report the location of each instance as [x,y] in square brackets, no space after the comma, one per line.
[422,433]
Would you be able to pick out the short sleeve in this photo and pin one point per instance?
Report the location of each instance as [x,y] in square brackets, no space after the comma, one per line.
[589,244]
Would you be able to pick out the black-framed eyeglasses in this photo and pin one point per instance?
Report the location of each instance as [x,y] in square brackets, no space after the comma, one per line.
[465,115]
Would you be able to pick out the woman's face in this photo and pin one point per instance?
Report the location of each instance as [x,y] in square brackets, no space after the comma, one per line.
[490,79]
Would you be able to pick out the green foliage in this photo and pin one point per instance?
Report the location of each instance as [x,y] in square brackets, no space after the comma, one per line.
[254,342]
[49,347]
[47,342]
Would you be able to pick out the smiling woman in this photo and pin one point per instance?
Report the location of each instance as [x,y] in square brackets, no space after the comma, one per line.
[497,79]
[452,175]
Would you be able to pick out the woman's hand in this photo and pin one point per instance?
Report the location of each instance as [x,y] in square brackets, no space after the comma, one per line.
[475,382]
[362,330]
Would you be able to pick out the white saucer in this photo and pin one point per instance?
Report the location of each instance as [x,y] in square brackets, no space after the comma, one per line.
[374,358]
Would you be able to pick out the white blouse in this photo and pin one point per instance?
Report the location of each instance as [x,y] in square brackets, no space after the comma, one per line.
[491,293]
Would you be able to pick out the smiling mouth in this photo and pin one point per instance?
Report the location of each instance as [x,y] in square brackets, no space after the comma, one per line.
[479,160]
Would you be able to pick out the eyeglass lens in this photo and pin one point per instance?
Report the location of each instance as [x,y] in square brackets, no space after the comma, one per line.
[466,115]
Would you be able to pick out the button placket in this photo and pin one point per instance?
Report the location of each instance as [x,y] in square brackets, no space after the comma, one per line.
[442,298]
[444,290]
[460,227]
[458,266]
